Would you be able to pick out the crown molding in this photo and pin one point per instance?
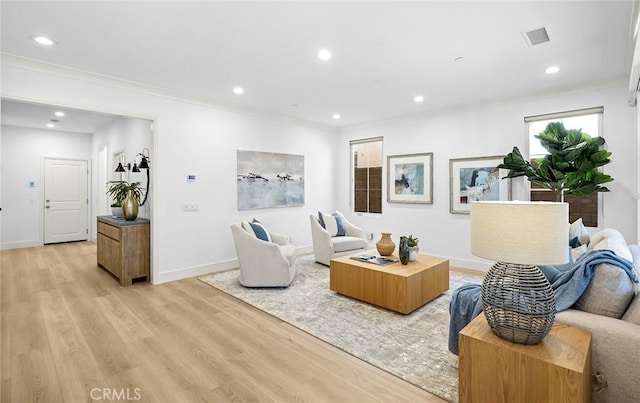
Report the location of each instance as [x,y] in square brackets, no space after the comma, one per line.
[10,60]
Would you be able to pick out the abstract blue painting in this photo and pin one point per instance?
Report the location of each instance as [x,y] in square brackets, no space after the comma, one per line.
[410,178]
[269,180]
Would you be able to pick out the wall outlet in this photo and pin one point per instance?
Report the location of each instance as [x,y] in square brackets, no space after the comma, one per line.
[289,239]
[370,236]
[190,207]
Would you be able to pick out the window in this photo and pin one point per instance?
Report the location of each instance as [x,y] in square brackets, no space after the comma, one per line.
[590,121]
[366,176]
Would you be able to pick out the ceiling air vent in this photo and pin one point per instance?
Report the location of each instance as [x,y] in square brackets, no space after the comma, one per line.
[536,36]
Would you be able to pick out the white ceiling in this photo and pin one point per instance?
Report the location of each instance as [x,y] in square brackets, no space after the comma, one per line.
[37,116]
[384,53]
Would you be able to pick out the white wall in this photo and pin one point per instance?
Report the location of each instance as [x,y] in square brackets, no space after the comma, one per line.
[489,130]
[128,135]
[22,153]
[191,138]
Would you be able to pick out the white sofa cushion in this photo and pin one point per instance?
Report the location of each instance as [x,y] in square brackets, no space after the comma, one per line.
[347,243]
[632,313]
[610,290]
[608,294]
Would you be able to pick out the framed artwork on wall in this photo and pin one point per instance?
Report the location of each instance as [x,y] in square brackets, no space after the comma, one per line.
[410,178]
[475,179]
[269,180]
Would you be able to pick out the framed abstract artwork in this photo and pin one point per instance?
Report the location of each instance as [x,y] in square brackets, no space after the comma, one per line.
[410,178]
[475,179]
[269,180]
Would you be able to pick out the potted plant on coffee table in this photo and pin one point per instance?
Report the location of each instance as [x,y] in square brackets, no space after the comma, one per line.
[412,243]
[127,196]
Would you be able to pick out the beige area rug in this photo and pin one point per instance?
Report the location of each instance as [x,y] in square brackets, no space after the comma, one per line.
[412,347]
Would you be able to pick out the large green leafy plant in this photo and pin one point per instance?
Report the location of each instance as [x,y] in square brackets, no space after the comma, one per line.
[118,191]
[570,167]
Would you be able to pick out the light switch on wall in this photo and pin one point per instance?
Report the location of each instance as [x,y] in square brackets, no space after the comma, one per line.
[190,207]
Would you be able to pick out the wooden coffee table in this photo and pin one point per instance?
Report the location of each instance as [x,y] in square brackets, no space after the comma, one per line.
[398,287]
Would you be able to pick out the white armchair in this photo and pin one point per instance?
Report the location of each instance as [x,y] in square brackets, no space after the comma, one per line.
[326,247]
[263,263]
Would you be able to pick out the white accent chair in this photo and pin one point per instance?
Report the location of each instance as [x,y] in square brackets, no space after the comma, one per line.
[263,263]
[326,247]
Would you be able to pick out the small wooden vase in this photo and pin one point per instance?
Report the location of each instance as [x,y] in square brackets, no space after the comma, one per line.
[385,245]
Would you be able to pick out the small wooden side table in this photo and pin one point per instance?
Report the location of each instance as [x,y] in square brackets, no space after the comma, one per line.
[494,370]
[124,248]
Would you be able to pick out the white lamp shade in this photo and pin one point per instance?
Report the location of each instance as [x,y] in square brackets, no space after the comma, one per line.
[533,233]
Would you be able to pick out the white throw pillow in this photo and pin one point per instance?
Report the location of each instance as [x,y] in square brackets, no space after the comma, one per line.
[247,227]
[256,229]
[330,224]
[577,229]
[613,240]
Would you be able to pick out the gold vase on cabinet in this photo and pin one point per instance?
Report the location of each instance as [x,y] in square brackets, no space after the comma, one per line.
[130,207]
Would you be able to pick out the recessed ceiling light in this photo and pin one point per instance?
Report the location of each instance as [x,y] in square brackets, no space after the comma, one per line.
[336,116]
[238,90]
[552,70]
[43,40]
[324,54]
[418,99]
[59,113]
[51,125]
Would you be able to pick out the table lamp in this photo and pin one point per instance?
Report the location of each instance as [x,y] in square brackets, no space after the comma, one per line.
[517,298]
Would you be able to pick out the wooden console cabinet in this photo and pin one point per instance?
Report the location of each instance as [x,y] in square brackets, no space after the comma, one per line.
[494,370]
[123,248]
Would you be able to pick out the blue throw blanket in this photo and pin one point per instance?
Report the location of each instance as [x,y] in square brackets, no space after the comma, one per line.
[568,286]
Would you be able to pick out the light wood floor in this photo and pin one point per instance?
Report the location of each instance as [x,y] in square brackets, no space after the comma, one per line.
[70,333]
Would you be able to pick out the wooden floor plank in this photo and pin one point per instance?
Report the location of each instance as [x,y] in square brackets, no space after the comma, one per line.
[37,379]
[6,271]
[75,365]
[69,330]
[27,331]
[100,335]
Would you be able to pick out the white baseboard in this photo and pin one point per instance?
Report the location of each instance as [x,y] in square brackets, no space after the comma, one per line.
[19,245]
[209,268]
[469,264]
[194,271]
[303,250]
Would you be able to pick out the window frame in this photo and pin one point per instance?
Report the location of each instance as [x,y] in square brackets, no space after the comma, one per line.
[599,111]
[352,191]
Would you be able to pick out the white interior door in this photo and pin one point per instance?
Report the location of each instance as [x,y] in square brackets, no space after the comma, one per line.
[66,186]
